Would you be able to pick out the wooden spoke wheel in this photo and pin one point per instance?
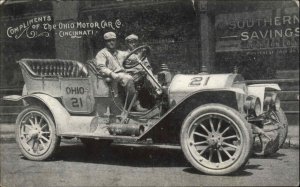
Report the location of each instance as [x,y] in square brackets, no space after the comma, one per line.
[36,133]
[216,139]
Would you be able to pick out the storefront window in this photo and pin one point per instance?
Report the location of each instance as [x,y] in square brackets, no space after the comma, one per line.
[259,39]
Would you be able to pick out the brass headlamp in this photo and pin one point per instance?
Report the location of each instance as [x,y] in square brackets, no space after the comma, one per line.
[252,106]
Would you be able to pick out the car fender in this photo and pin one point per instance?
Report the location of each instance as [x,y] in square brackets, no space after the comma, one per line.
[59,113]
[259,90]
[170,123]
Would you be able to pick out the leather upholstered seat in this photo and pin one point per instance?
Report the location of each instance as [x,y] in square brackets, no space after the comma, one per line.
[54,67]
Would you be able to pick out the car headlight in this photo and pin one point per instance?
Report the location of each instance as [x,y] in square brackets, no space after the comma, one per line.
[252,106]
[271,101]
[277,104]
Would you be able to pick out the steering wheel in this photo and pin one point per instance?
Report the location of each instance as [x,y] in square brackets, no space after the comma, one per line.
[145,52]
[139,60]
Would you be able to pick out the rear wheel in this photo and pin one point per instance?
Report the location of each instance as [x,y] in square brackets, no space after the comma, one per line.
[216,139]
[36,133]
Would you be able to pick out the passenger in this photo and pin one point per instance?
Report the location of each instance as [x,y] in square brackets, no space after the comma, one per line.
[108,62]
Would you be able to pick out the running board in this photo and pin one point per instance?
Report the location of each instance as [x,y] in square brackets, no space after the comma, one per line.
[98,136]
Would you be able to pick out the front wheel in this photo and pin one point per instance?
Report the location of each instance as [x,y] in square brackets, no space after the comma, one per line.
[283,126]
[36,133]
[216,139]
[262,145]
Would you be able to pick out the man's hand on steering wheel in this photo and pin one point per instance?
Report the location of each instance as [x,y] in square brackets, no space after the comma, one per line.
[139,58]
[133,59]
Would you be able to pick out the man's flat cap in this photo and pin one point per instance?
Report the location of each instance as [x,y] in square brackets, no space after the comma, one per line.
[131,37]
[109,36]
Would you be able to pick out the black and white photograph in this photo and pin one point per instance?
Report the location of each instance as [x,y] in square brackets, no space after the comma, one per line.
[149,93]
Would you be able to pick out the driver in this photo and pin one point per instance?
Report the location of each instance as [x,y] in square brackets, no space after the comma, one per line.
[109,63]
[132,43]
[137,72]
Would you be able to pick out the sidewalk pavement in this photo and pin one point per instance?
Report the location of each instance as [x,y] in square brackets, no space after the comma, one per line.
[7,135]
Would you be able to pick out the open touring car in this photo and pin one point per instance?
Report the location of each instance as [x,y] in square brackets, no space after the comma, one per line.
[218,119]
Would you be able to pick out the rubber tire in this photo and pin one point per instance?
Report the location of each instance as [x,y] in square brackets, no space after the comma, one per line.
[241,123]
[55,139]
[282,132]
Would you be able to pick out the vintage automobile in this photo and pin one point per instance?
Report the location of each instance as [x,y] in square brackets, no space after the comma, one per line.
[217,119]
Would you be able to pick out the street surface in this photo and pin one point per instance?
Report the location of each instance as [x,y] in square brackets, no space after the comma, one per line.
[126,165]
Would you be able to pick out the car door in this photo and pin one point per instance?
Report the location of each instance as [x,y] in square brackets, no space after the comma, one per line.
[77,95]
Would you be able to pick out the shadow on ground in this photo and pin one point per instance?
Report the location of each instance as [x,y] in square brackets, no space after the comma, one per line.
[142,156]
[275,156]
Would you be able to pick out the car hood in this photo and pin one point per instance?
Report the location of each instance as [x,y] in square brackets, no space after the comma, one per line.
[183,85]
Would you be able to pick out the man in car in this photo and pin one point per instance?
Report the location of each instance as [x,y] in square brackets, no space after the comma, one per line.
[109,63]
[132,43]
[136,72]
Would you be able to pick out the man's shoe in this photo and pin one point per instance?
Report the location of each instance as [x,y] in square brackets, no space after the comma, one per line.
[139,108]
